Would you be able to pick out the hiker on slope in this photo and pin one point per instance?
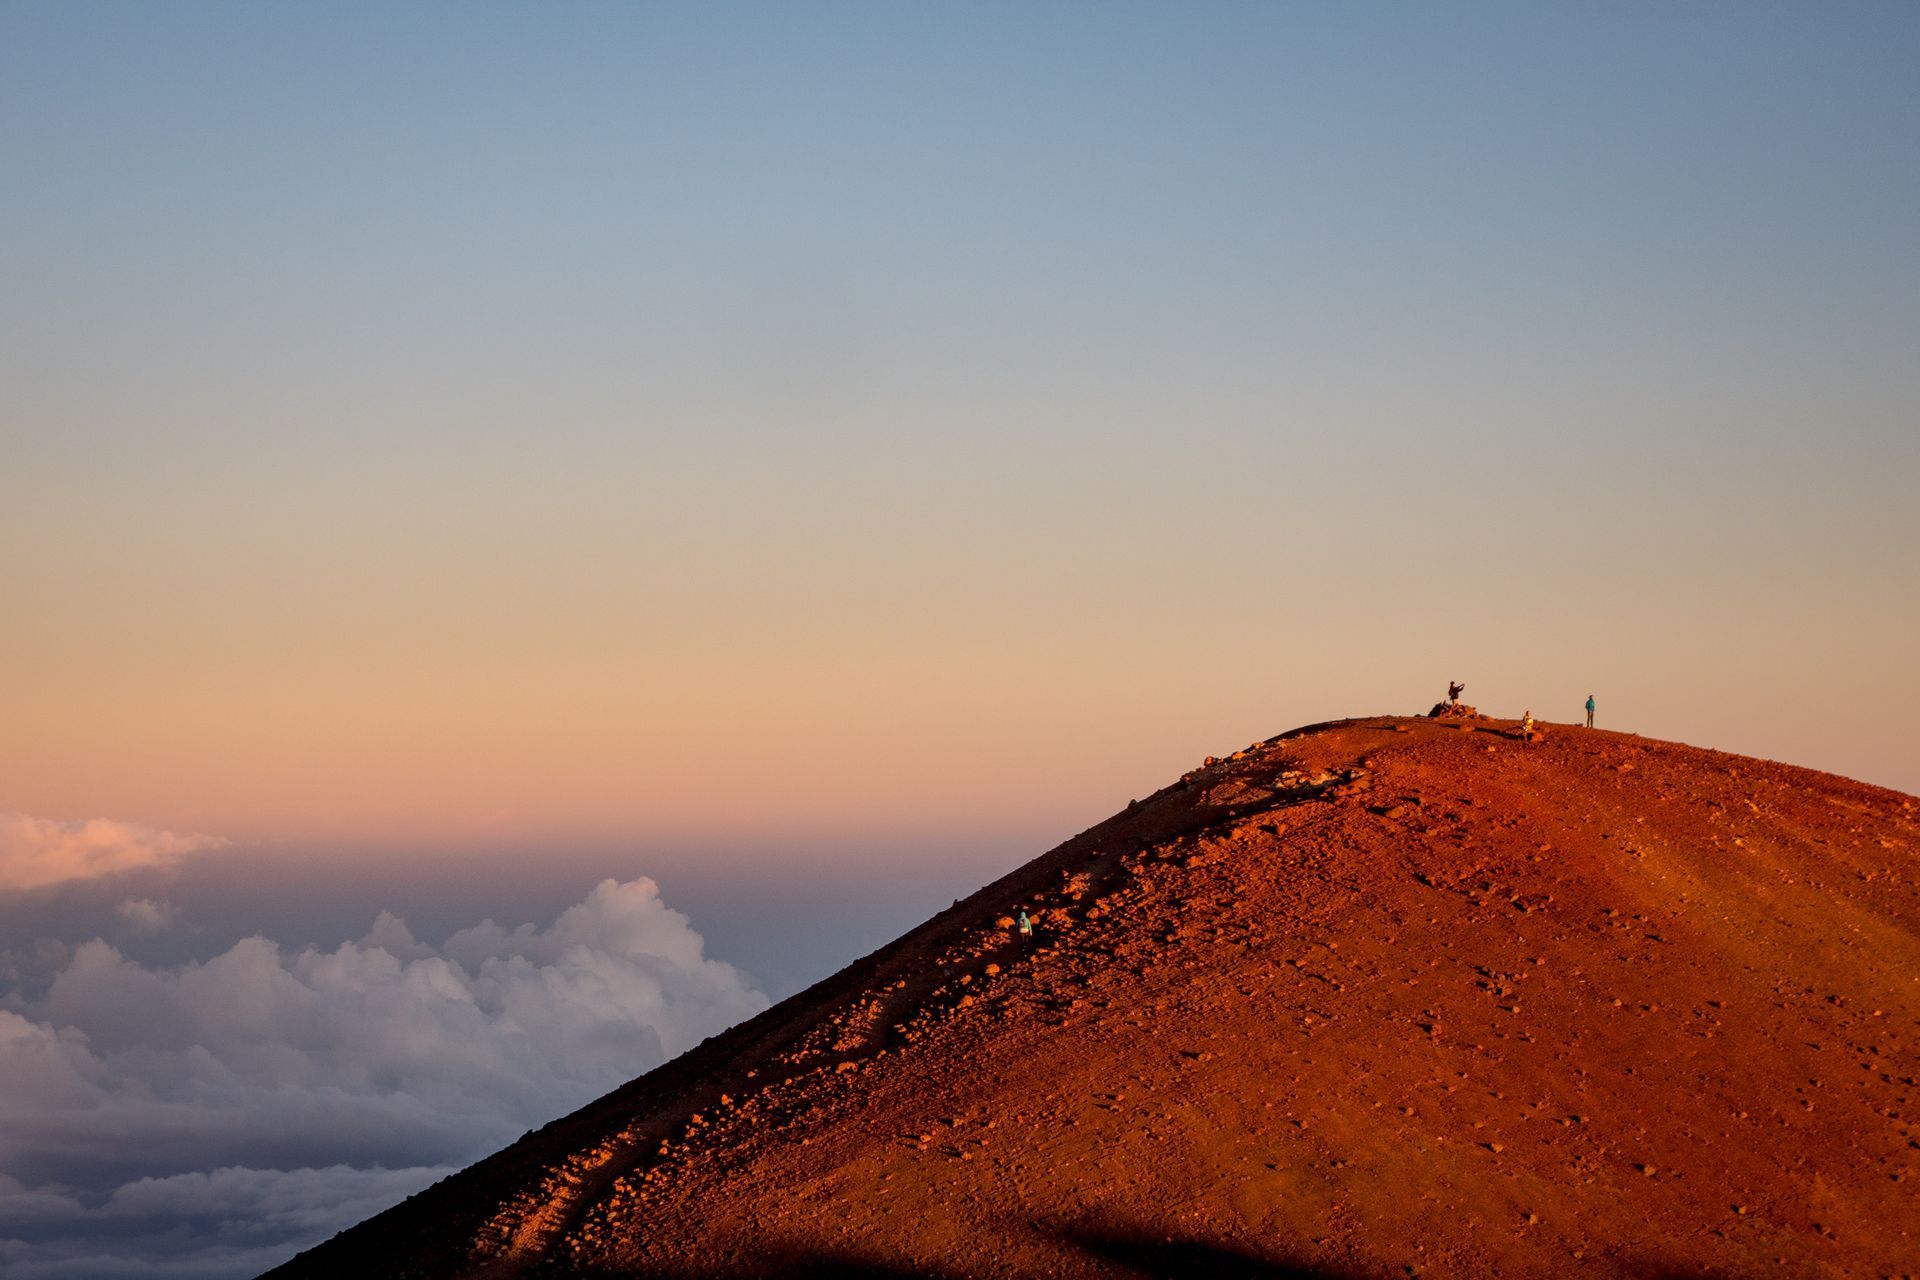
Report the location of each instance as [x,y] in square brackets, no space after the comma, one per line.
[1589,711]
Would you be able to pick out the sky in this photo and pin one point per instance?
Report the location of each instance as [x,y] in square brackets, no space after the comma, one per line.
[793,464]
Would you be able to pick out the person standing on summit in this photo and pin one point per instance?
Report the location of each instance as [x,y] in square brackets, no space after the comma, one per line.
[1589,711]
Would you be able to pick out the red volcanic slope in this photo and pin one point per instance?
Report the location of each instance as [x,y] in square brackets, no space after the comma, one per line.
[1377,998]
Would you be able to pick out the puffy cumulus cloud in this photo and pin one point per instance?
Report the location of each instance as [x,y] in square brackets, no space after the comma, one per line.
[264,1098]
[269,1201]
[37,852]
[145,915]
[21,1203]
[219,1224]
[134,1257]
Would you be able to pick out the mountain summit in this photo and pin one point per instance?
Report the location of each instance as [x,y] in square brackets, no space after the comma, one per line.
[1377,998]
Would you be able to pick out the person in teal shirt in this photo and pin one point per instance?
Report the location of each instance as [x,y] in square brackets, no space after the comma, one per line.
[1589,711]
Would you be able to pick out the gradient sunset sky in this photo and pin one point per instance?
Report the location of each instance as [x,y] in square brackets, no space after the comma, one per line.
[462,428]
[528,532]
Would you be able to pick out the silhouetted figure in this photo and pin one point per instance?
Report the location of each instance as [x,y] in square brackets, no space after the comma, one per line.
[1454,690]
[1589,711]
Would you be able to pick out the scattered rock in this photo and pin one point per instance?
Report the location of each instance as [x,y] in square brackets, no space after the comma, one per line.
[1364,973]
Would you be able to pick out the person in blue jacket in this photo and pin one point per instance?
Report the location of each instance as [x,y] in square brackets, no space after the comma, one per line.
[1589,711]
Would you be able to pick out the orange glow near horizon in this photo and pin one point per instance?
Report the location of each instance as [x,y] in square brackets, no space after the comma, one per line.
[455,468]
[515,711]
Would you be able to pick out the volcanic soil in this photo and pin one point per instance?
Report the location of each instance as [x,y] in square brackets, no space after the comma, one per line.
[1379,998]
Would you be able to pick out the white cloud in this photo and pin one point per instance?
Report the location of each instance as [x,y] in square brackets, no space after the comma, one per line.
[21,1203]
[291,1090]
[146,915]
[136,1258]
[230,1222]
[271,1201]
[36,852]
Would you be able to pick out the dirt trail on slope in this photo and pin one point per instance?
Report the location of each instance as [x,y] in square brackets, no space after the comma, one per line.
[1379,998]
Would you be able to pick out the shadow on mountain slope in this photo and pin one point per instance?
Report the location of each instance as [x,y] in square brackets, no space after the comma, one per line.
[1132,1255]
[1372,995]
[1136,1254]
